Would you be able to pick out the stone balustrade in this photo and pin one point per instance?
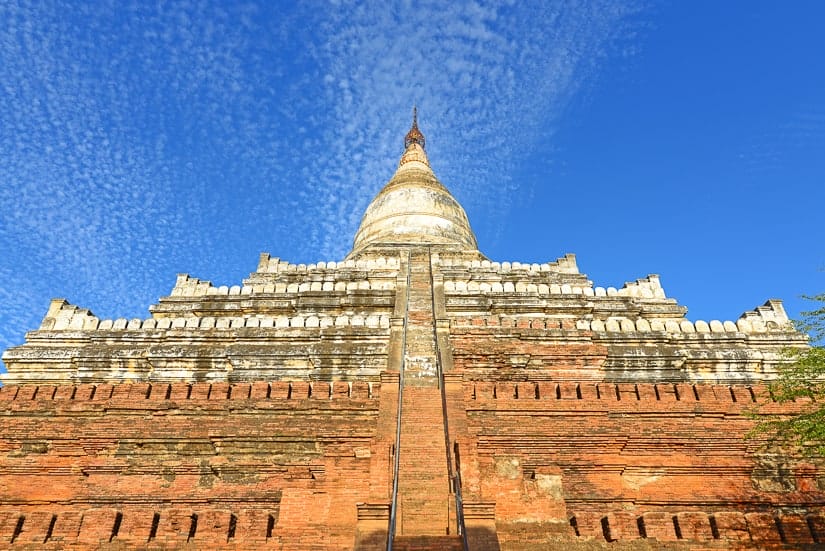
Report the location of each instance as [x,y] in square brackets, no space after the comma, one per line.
[768,321]
[765,319]
[274,265]
[65,316]
[187,286]
[565,264]
[645,288]
[521,286]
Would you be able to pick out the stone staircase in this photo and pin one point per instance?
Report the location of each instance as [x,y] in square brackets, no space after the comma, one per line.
[423,491]
[427,543]
[420,362]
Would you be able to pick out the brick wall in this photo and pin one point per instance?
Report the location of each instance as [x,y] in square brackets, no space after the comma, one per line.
[620,462]
[286,464]
[170,465]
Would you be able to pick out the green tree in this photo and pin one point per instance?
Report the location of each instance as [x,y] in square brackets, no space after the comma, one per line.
[803,376]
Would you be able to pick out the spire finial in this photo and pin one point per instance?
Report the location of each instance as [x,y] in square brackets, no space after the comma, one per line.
[414,135]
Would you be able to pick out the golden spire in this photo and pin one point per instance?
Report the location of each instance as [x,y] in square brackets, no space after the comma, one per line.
[414,135]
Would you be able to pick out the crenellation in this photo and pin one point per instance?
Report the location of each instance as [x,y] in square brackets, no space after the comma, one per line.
[733,399]
[648,288]
[686,326]
[620,324]
[772,315]
[720,529]
[85,395]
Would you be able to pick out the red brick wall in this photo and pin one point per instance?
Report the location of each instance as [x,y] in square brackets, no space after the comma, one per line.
[284,465]
[209,464]
[638,461]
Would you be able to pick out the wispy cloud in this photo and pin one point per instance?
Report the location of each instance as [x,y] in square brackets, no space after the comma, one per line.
[139,140]
[490,78]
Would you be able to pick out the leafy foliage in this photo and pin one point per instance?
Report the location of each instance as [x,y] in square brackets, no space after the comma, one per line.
[802,377]
[813,321]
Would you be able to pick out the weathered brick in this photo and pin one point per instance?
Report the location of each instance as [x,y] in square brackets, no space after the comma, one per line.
[259,390]
[731,525]
[97,525]
[213,526]
[176,524]
[281,390]
[36,527]
[46,392]
[340,389]
[240,391]
[762,527]
[668,392]
[219,391]
[178,391]
[623,526]
[590,525]
[8,393]
[320,390]
[360,390]
[694,525]
[103,391]
[64,392]
[199,391]
[254,525]
[136,525]
[569,390]
[67,526]
[299,390]
[26,393]
[85,391]
[8,524]
[795,529]
[659,525]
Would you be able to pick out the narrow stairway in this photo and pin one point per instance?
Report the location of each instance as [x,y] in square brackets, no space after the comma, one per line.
[423,481]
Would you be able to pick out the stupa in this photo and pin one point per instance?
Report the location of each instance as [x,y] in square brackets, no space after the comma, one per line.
[414,395]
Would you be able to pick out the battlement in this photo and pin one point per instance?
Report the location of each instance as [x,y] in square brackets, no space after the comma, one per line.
[189,392]
[564,265]
[726,528]
[625,394]
[63,316]
[221,528]
[187,286]
[646,288]
[198,525]
[755,323]
[770,315]
[274,265]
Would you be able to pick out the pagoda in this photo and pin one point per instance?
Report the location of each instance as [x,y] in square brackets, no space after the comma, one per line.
[413,395]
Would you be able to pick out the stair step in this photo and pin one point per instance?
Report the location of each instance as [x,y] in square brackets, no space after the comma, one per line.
[427,543]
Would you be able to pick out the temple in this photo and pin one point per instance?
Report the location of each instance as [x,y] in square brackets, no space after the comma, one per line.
[413,395]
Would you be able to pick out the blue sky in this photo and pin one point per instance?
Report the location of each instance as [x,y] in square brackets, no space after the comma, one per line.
[142,140]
